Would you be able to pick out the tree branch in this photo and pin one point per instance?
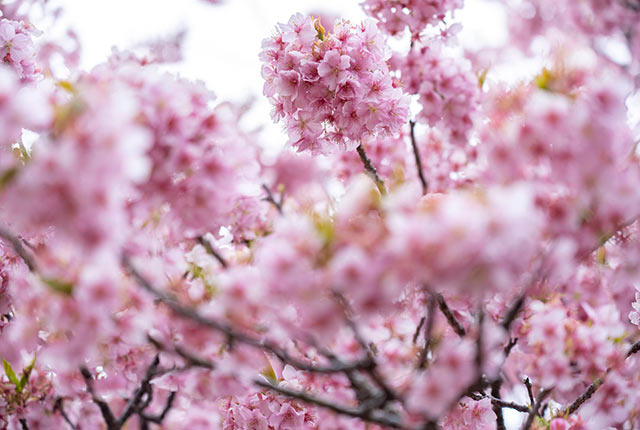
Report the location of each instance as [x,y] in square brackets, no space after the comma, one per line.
[416,155]
[134,404]
[212,251]
[16,244]
[591,389]
[535,407]
[271,199]
[236,335]
[428,331]
[58,406]
[371,170]
[108,416]
[497,404]
[451,319]
[157,419]
[388,420]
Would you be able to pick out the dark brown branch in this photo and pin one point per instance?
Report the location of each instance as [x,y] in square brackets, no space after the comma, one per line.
[237,336]
[190,358]
[634,349]
[451,319]
[157,419]
[212,251]
[388,420]
[591,389]
[271,199]
[535,407]
[428,332]
[416,155]
[480,343]
[370,169]
[371,369]
[418,328]
[134,404]
[507,349]
[497,404]
[497,400]
[108,416]
[513,312]
[58,406]
[16,244]
[527,383]
[23,424]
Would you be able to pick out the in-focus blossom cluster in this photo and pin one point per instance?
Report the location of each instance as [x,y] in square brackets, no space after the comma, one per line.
[396,15]
[17,48]
[332,89]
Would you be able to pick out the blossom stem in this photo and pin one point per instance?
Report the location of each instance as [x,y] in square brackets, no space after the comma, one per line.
[428,331]
[212,251]
[416,154]
[386,419]
[451,319]
[16,243]
[60,408]
[271,199]
[370,169]
[535,407]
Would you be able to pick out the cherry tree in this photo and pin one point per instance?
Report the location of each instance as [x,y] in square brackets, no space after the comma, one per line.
[438,244]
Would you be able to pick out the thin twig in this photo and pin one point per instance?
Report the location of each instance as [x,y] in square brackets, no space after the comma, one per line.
[527,383]
[513,312]
[212,251]
[428,332]
[416,155]
[418,328]
[271,199]
[157,419]
[16,243]
[542,394]
[634,349]
[451,319]
[370,169]
[497,400]
[190,358]
[507,349]
[133,405]
[108,416]
[591,389]
[58,406]
[387,419]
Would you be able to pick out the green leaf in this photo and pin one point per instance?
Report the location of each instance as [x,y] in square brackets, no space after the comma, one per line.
[59,286]
[10,373]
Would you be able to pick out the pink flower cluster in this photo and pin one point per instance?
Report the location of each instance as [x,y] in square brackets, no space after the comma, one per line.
[396,15]
[332,89]
[17,48]
[448,90]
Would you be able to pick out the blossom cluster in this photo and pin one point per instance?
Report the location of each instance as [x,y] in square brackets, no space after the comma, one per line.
[396,15]
[332,89]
